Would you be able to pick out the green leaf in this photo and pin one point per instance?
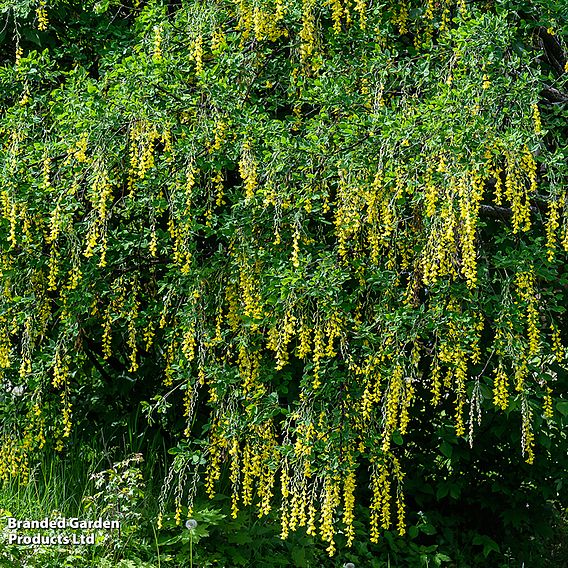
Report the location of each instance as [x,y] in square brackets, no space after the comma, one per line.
[446,449]
[489,545]
[397,438]
[562,407]
[428,529]
[299,557]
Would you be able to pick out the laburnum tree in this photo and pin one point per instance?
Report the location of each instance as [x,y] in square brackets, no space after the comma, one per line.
[312,234]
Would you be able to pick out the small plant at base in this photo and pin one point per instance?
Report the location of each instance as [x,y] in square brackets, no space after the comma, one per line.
[191,525]
[121,488]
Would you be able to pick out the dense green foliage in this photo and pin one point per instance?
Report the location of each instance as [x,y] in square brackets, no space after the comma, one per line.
[320,243]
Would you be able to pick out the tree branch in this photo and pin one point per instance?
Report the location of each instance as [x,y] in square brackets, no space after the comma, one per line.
[554,95]
[501,213]
[552,48]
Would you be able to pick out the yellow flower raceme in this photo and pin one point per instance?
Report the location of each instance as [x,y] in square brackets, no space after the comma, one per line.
[42,18]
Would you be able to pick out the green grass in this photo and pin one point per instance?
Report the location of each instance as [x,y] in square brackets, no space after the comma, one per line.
[60,486]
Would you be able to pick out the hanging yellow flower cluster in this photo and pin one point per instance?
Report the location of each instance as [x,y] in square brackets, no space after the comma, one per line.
[14,461]
[42,18]
[308,32]
[247,169]
[264,22]
[142,139]
[381,503]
